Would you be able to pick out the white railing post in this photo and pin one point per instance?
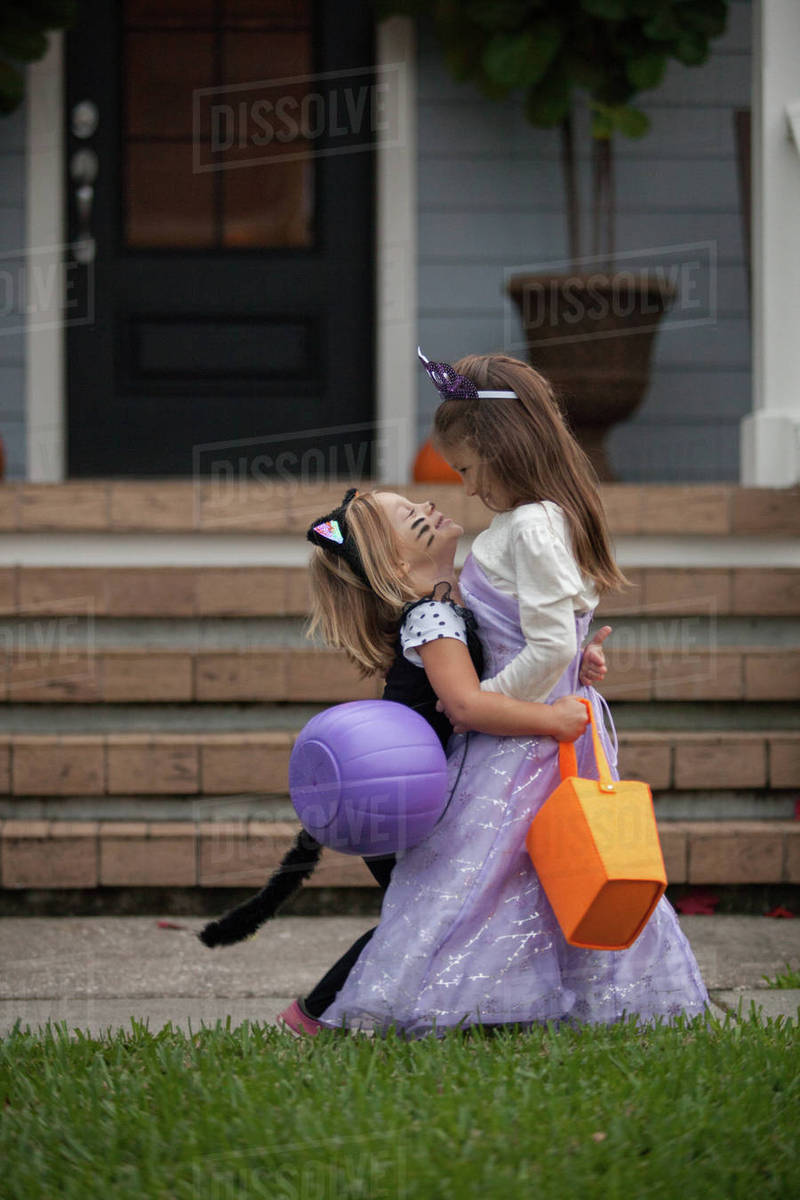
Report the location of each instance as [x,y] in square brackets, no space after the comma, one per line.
[770,435]
[396,256]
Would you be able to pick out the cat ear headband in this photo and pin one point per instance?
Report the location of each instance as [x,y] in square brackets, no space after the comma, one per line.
[452,386]
[331,533]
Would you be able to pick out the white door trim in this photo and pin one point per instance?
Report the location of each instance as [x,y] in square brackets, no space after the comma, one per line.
[45,381]
[396,256]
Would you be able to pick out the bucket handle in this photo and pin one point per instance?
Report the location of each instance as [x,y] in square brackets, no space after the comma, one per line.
[568,761]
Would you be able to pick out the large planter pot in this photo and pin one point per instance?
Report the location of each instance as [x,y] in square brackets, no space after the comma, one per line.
[592,337]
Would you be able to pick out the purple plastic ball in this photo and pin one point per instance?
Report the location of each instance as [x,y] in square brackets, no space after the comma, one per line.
[368,777]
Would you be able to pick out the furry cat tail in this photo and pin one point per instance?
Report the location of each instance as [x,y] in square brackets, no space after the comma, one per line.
[243,921]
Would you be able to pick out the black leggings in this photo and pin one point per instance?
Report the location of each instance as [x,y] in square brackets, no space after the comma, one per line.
[323,994]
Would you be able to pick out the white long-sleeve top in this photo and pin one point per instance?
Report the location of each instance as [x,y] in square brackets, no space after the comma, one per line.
[527,553]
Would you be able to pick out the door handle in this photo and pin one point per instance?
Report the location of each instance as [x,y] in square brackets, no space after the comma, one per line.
[83,168]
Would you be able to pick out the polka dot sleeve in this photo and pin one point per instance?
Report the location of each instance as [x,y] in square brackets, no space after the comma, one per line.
[426,622]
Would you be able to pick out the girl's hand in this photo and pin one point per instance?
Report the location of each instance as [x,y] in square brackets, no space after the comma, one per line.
[570,718]
[593,664]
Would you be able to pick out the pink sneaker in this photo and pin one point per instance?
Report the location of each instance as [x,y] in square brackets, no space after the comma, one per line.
[297,1022]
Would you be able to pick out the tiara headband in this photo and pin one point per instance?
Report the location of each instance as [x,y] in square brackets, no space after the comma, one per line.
[452,386]
[332,533]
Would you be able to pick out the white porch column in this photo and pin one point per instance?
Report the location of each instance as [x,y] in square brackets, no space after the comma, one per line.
[45,382]
[396,256]
[770,435]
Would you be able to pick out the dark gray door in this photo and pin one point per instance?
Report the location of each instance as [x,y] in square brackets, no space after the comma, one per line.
[225,222]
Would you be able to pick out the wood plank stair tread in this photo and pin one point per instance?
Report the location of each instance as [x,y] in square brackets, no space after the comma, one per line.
[294,674]
[255,763]
[280,591]
[97,853]
[288,507]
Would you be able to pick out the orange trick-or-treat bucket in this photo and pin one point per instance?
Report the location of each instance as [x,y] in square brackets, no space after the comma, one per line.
[594,844]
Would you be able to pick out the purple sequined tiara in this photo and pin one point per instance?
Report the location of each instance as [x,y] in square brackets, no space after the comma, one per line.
[452,386]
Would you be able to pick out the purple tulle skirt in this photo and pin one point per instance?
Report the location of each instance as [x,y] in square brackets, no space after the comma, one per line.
[467,935]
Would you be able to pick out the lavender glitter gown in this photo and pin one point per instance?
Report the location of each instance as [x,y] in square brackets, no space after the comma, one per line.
[466,933]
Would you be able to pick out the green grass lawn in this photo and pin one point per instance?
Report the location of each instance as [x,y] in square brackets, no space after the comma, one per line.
[707,1110]
[790,978]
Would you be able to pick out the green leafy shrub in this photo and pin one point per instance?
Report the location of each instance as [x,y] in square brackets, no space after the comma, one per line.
[547,51]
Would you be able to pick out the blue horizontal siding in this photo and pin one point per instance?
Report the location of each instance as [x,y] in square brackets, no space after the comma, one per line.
[12,179]
[681,394]
[13,131]
[723,344]
[675,133]
[13,434]
[524,240]
[667,452]
[643,186]
[476,287]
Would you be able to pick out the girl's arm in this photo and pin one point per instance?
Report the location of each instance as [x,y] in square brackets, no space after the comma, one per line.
[453,677]
[546,580]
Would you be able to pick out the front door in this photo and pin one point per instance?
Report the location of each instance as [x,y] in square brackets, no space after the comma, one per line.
[219,170]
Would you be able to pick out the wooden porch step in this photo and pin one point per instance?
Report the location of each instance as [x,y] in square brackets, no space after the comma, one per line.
[219,764]
[88,854]
[285,674]
[290,674]
[705,673]
[205,505]
[160,592]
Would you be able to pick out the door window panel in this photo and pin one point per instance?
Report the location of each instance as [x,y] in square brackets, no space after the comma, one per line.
[260,192]
[161,70]
[267,205]
[168,204]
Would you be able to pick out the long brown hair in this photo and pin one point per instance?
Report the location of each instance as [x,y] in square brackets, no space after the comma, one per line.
[361,619]
[524,444]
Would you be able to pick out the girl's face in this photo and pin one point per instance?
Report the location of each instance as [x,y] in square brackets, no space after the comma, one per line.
[477,479]
[426,537]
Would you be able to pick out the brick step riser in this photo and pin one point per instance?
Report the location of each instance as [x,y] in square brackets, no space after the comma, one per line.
[231,592]
[241,718]
[30,634]
[90,854]
[726,804]
[284,507]
[250,806]
[724,673]
[722,716]
[236,764]
[663,630]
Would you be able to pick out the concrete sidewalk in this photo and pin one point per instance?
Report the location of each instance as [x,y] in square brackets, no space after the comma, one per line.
[98,972]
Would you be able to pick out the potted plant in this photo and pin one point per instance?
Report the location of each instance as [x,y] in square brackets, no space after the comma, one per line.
[547,52]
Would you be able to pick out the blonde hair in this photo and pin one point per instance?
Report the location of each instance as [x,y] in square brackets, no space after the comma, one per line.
[362,620]
[524,443]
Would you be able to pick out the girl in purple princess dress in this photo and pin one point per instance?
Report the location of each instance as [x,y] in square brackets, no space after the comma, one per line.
[466,934]
[379,563]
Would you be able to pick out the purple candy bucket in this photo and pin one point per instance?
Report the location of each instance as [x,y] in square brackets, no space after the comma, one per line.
[368,777]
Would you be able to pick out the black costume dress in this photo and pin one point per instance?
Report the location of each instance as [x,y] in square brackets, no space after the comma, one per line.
[405,684]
